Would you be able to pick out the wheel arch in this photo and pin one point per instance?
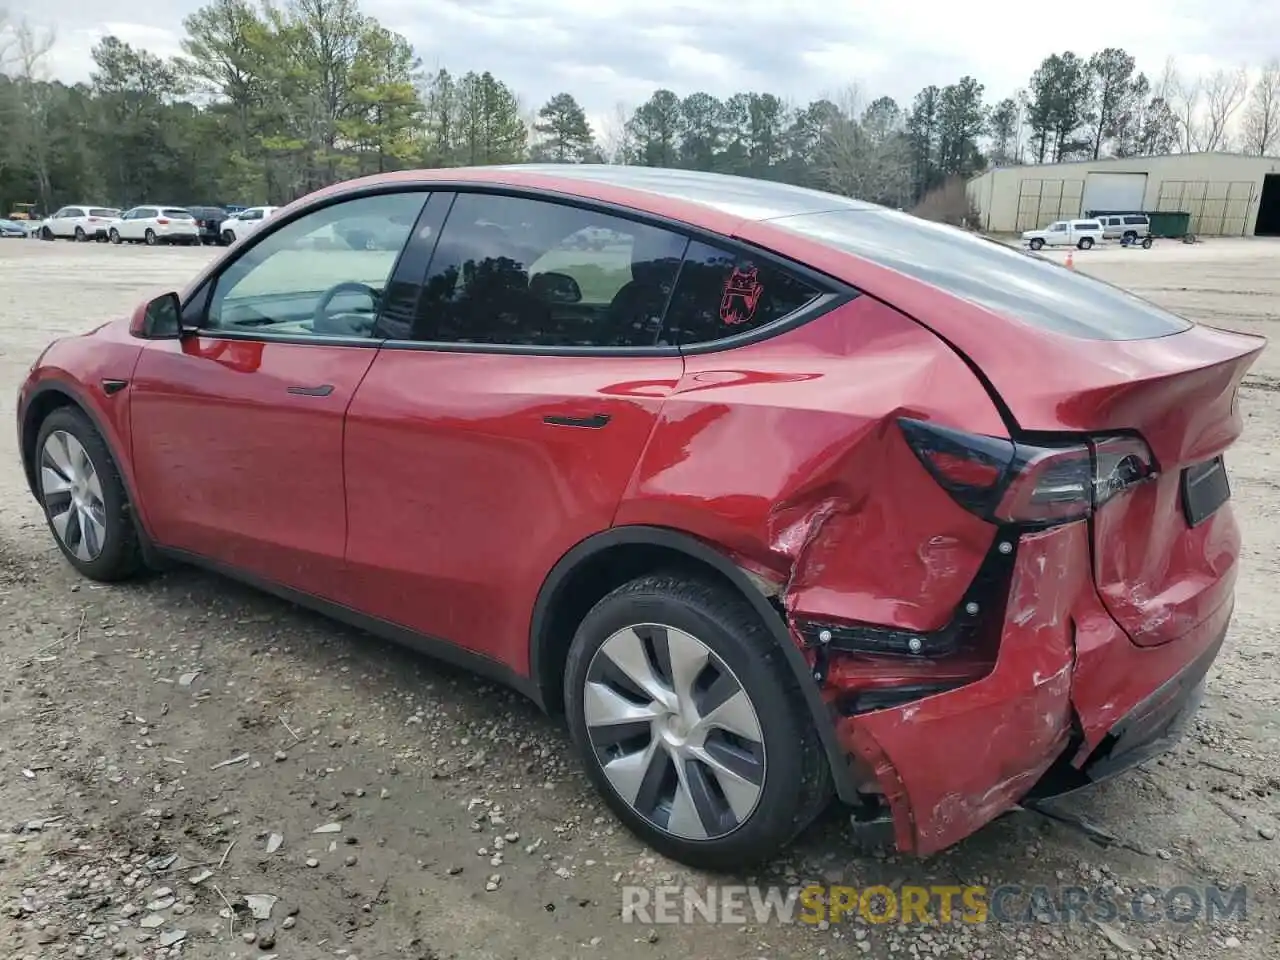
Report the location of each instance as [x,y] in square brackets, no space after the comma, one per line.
[606,560]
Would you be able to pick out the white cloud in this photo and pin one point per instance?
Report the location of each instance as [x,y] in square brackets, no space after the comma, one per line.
[604,51]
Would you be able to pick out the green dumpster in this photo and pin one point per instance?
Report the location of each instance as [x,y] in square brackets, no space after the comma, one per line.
[1173,225]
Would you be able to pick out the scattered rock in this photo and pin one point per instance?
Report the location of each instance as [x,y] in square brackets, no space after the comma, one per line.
[274,841]
[260,905]
[328,828]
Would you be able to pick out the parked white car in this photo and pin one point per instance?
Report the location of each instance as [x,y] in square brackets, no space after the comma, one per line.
[80,221]
[240,225]
[1065,233]
[153,224]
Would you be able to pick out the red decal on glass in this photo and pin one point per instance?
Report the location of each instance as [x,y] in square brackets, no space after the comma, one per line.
[741,297]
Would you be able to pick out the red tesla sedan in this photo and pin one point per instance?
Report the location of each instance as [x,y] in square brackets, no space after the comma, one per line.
[777,494]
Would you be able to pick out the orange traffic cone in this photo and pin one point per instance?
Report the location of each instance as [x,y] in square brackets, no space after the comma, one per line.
[1071,263]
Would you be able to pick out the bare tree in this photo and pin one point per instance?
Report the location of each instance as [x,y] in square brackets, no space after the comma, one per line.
[1224,93]
[32,138]
[1261,127]
[1184,100]
[616,141]
[871,161]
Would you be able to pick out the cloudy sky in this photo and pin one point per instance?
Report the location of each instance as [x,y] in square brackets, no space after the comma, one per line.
[611,51]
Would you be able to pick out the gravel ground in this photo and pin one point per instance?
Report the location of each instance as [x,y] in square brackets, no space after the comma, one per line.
[169,748]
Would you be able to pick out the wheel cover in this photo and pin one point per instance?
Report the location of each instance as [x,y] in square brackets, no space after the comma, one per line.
[674,732]
[72,495]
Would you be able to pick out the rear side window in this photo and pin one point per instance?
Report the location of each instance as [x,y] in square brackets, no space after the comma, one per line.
[522,272]
[990,274]
[722,294]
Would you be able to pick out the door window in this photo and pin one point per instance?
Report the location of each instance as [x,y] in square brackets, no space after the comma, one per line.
[308,278]
[511,270]
[723,293]
[1058,228]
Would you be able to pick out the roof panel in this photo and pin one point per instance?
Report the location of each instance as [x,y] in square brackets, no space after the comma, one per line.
[737,196]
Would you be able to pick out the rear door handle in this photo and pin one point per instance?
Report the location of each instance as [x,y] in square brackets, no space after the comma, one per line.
[321,391]
[593,422]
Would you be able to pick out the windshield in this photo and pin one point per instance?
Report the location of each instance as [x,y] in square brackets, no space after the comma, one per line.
[103,212]
[990,274]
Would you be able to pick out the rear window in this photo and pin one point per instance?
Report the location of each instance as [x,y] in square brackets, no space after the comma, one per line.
[176,213]
[1137,221]
[1017,285]
[103,212]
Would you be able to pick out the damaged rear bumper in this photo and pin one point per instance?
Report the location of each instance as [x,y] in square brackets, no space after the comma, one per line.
[1069,701]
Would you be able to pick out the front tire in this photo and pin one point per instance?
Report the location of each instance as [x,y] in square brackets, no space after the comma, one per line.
[114,236]
[691,725]
[84,498]
[1037,244]
[228,238]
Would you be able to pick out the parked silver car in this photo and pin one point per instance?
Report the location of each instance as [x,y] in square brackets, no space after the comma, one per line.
[1126,227]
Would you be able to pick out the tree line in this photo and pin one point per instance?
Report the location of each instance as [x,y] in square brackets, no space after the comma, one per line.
[267,103]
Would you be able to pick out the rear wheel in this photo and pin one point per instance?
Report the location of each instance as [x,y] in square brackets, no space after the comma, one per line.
[1037,243]
[80,237]
[84,499]
[1085,243]
[1131,237]
[150,237]
[691,725]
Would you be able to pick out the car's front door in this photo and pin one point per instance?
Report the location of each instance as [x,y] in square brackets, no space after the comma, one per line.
[501,421]
[238,427]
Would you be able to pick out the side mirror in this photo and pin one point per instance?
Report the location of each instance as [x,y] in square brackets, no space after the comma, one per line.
[158,319]
[556,288]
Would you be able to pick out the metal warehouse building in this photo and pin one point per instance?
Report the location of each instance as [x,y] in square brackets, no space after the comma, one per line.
[1226,194]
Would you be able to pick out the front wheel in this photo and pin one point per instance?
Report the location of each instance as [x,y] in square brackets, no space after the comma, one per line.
[84,498]
[228,238]
[150,237]
[46,234]
[691,724]
[1037,244]
[1085,243]
[114,236]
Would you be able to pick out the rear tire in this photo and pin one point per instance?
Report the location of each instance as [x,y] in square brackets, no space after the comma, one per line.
[80,237]
[85,502]
[1085,243]
[709,818]
[1037,244]
[150,237]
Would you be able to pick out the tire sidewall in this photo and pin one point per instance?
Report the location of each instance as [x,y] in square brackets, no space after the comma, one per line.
[1037,244]
[150,238]
[775,812]
[115,552]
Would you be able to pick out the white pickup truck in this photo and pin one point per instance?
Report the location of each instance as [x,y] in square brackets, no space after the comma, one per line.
[1065,233]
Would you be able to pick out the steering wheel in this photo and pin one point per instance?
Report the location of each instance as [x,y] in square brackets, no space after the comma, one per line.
[346,325]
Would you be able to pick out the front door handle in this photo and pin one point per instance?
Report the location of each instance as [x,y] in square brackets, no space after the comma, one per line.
[321,391]
[593,422]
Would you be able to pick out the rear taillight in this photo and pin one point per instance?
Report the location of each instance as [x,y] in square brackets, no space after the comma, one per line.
[163,222]
[1037,484]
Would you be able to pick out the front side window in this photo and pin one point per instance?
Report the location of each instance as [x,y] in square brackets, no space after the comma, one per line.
[1058,227]
[723,293]
[308,279]
[517,271]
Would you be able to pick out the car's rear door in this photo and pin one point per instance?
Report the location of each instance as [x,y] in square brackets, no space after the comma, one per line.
[501,421]
[238,427]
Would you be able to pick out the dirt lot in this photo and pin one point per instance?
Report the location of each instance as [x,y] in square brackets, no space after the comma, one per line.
[117,705]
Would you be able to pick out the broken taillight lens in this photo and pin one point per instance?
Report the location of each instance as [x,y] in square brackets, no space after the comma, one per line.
[1038,484]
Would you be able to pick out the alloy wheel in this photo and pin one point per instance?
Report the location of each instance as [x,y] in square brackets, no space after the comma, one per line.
[674,731]
[72,495]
